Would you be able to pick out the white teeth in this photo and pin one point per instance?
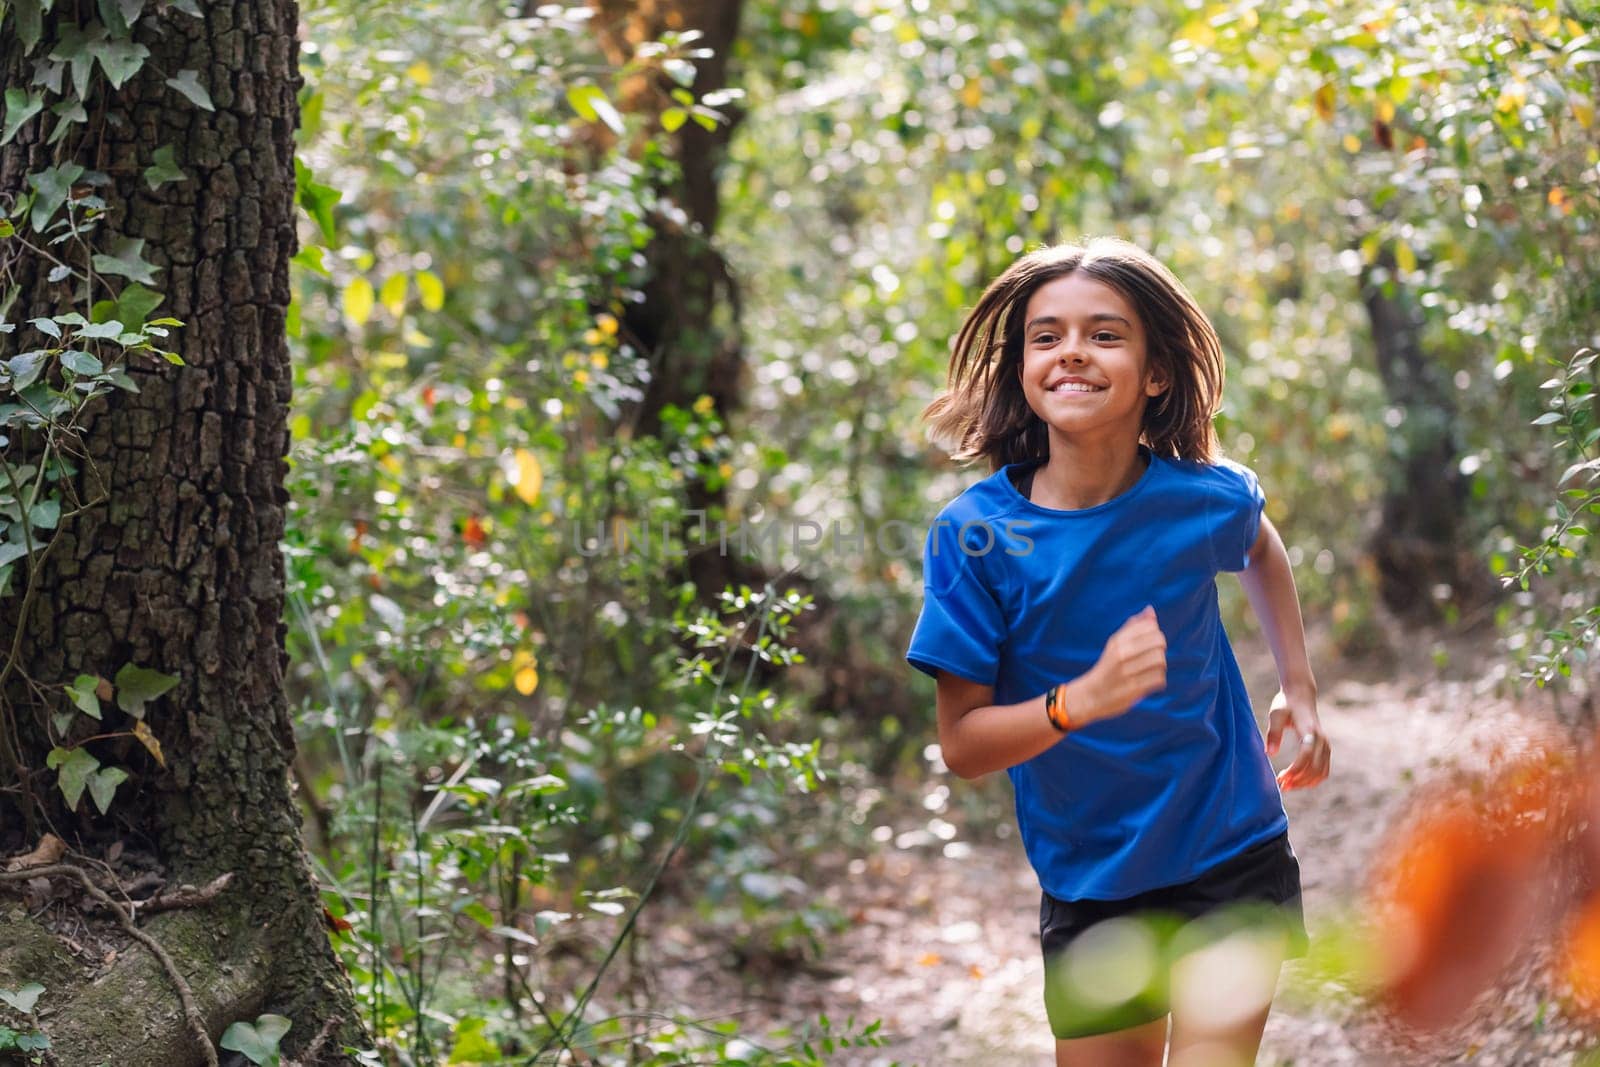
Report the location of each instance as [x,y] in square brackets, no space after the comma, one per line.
[1074,387]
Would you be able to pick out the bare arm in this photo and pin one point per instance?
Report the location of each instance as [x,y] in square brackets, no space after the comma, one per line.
[1268,582]
[977,736]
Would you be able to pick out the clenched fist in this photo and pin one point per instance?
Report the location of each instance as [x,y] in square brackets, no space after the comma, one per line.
[1132,666]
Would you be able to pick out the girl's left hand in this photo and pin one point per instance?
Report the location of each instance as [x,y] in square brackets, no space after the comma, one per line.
[1310,764]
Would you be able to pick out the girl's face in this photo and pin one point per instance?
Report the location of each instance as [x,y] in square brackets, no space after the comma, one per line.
[1084,369]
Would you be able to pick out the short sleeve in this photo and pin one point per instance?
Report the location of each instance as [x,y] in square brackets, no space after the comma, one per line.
[1236,516]
[961,626]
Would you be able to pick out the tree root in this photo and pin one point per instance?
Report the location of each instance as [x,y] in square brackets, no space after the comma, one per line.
[191,1010]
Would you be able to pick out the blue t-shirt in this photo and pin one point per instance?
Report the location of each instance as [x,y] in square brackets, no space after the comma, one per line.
[1019,597]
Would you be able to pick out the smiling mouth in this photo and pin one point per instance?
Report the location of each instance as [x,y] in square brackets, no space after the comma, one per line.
[1075,387]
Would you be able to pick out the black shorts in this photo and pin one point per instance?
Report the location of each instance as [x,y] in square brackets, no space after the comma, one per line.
[1118,975]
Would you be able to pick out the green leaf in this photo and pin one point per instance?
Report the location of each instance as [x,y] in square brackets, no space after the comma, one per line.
[164,169]
[137,686]
[119,58]
[109,330]
[68,112]
[73,768]
[82,692]
[310,257]
[591,102]
[51,188]
[127,259]
[20,107]
[431,289]
[82,364]
[135,303]
[103,786]
[469,1045]
[23,999]
[317,200]
[25,369]
[6,229]
[672,118]
[30,22]
[257,1042]
[45,514]
[188,83]
[46,327]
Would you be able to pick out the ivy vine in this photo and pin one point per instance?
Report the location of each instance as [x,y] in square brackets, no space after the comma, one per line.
[105,323]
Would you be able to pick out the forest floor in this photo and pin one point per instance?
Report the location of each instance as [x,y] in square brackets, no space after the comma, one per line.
[942,945]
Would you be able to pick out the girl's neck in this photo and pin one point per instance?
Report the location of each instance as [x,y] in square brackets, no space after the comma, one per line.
[1078,476]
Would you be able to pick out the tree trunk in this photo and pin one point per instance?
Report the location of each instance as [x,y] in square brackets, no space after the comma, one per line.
[179,569]
[688,322]
[1419,545]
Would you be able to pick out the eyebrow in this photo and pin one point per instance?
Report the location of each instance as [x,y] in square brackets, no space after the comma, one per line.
[1102,316]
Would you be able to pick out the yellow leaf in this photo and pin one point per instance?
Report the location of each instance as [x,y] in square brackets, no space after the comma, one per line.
[607,324]
[431,289]
[1323,99]
[358,301]
[393,294]
[148,740]
[420,73]
[1512,97]
[527,680]
[704,405]
[1386,110]
[1352,143]
[972,93]
[529,476]
[1583,112]
[1404,257]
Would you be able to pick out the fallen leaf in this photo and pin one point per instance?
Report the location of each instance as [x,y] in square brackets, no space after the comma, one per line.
[51,848]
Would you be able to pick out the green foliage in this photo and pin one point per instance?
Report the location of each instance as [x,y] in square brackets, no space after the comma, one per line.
[257,1041]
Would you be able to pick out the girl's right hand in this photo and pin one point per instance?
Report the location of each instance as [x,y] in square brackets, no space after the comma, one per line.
[1132,666]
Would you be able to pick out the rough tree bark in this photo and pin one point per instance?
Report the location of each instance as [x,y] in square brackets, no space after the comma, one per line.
[1418,545]
[180,570]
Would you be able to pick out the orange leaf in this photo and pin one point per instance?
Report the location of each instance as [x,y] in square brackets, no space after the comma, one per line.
[930,959]
[148,740]
[473,533]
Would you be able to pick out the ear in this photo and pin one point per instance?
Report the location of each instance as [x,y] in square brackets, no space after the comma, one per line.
[1155,385]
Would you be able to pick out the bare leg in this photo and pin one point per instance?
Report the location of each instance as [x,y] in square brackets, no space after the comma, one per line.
[1137,1046]
[1196,1045]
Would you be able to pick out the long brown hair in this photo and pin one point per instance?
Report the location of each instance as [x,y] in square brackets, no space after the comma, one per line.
[983,412]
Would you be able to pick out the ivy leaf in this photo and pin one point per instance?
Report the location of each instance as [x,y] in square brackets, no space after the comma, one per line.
[103,786]
[164,169]
[69,112]
[137,686]
[127,260]
[45,514]
[134,305]
[73,768]
[119,58]
[51,188]
[46,327]
[120,15]
[83,692]
[258,1041]
[30,23]
[23,999]
[20,107]
[188,83]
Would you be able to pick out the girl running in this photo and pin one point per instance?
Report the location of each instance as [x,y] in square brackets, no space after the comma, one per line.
[1071,622]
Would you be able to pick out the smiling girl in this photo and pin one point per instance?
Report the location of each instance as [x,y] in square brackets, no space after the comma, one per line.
[1071,622]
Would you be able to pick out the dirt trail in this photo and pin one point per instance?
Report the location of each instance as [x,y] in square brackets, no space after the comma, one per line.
[944,950]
